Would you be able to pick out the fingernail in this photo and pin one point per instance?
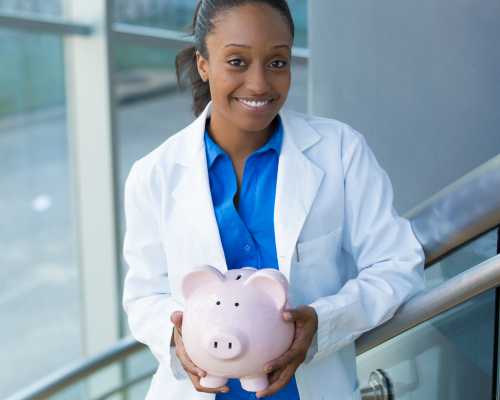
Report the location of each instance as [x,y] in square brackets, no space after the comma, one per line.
[287,315]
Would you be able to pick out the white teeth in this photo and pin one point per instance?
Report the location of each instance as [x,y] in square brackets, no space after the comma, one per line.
[255,104]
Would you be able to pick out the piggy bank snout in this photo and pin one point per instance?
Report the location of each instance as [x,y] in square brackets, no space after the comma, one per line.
[224,345]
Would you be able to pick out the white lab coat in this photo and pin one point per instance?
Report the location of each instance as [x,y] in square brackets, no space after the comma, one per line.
[339,242]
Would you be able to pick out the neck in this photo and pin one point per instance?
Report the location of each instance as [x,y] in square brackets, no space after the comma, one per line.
[237,143]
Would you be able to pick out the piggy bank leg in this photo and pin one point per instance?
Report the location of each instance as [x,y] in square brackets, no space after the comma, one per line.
[212,382]
[254,383]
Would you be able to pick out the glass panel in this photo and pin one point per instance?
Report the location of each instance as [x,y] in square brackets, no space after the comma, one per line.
[39,291]
[449,357]
[107,384]
[178,15]
[473,253]
[43,7]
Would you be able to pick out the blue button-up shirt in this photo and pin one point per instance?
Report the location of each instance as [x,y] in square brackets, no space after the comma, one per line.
[247,233]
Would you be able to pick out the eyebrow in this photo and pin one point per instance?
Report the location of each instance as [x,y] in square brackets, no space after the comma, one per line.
[249,47]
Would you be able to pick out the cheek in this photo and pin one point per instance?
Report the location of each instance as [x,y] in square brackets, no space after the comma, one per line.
[283,82]
[224,85]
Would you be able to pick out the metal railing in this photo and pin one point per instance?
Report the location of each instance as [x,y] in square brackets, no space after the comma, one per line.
[459,213]
[43,23]
[78,371]
[433,302]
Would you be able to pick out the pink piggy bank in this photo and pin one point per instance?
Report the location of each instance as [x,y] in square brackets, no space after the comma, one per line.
[232,323]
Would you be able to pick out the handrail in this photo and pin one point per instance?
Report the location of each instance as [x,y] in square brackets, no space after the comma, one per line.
[459,213]
[77,371]
[431,303]
[43,23]
[161,37]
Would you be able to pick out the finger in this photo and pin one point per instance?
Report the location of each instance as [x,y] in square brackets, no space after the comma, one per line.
[197,385]
[186,361]
[281,361]
[283,379]
[274,376]
[190,367]
[220,389]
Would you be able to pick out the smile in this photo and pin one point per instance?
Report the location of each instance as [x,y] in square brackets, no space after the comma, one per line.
[254,104]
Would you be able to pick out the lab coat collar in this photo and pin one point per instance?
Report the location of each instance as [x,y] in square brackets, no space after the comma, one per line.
[297,184]
[302,135]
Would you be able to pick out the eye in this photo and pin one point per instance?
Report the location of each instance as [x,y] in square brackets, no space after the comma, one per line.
[279,64]
[236,304]
[218,303]
[236,62]
[238,277]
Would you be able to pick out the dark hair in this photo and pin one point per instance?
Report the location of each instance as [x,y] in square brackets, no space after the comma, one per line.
[203,24]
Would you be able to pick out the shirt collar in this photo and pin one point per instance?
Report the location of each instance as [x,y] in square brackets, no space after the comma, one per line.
[213,150]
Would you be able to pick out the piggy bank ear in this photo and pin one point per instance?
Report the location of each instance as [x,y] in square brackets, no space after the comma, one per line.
[200,276]
[272,282]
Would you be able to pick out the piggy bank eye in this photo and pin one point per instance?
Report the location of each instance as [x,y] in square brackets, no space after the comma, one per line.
[238,277]
[236,304]
[218,303]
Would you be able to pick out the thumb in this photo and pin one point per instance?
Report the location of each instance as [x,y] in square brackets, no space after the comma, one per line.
[176,318]
[291,315]
[302,313]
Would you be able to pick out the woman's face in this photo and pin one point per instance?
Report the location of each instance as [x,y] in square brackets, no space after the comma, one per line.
[248,66]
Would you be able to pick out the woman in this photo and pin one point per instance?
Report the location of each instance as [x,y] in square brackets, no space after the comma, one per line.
[251,184]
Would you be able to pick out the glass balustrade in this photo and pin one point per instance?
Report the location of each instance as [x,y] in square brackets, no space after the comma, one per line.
[450,356]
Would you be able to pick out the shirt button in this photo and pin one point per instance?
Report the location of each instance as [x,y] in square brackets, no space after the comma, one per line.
[247,247]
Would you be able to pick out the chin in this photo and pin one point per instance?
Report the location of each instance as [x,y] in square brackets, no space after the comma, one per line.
[254,123]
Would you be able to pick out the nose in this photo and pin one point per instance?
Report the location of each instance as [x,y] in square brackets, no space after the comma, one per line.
[224,345]
[257,80]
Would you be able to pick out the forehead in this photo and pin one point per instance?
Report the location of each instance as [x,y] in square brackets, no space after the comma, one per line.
[255,25]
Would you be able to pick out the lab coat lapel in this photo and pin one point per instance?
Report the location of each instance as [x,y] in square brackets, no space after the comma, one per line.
[298,182]
[193,198]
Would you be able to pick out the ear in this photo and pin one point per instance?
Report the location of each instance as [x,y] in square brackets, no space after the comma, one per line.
[272,282]
[200,276]
[202,65]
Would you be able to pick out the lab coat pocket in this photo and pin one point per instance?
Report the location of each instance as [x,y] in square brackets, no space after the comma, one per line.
[315,268]
[321,250]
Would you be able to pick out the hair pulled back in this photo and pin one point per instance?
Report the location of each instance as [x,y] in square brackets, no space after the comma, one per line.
[203,24]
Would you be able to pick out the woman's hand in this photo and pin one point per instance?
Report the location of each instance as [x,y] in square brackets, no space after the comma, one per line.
[194,373]
[282,369]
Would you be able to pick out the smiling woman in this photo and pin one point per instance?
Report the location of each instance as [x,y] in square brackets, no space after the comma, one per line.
[244,69]
[252,184]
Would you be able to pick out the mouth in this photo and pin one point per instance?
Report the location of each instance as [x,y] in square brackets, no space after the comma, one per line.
[256,105]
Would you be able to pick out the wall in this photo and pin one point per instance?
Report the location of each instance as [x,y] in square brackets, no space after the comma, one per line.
[419,79]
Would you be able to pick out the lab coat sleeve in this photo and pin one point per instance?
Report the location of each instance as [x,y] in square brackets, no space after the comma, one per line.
[388,256]
[146,292]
